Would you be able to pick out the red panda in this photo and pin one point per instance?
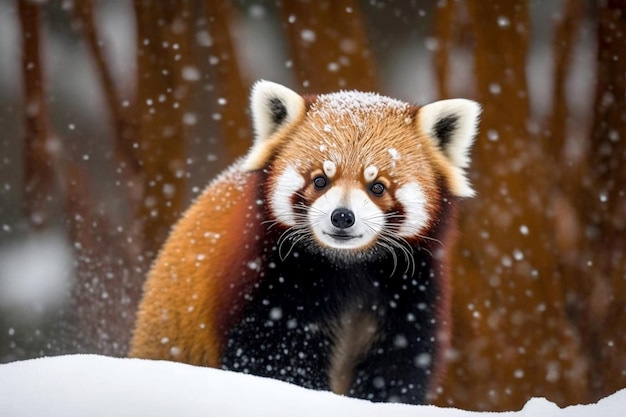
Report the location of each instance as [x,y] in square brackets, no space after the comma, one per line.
[320,257]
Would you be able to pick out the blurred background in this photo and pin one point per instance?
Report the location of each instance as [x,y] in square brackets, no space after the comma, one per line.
[114,115]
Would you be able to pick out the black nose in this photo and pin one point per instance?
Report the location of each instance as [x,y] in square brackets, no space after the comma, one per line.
[342,218]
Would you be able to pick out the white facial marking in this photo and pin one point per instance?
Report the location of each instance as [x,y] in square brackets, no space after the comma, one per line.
[330,169]
[414,201]
[288,183]
[370,173]
[367,225]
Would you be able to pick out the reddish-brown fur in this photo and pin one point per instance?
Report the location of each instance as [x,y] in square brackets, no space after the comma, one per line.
[185,312]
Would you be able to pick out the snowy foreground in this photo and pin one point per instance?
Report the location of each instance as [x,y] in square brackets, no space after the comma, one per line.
[89,385]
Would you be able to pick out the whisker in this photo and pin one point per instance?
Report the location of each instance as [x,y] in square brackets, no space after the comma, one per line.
[288,235]
[394,227]
[389,240]
[271,223]
[404,247]
[315,209]
[388,243]
[393,255]
[304,218]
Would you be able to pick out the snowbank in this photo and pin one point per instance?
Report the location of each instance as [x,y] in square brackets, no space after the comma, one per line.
[89,385]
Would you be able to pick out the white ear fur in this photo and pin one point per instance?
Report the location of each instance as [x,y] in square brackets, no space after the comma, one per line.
[453,125]
[273,107]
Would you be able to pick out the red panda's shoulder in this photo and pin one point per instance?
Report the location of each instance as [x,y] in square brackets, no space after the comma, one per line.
[201,263]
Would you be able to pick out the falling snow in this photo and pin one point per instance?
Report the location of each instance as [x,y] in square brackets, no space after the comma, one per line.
[503,21]
[308,35]
[35,274]
[191,73]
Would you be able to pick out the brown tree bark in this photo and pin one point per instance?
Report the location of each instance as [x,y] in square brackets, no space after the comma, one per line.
[566,31]
[96,323]
[566,191]
[102,309]
[164,33]
[127,164]
[511,337]
[39,145]
[231,90]
[445,17]
[603,210]
[328,45]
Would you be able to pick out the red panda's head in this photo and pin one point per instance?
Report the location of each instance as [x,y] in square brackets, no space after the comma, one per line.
[352,171]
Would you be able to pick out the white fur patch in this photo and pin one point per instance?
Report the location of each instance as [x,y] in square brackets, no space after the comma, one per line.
[460,185]
[370,173]
[330,169]
[412,197]
[288,183]
[368,218]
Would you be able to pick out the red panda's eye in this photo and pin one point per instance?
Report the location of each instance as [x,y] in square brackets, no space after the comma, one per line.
[319,182]
[377,189]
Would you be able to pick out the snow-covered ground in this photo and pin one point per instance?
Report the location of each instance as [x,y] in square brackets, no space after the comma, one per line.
[90,385]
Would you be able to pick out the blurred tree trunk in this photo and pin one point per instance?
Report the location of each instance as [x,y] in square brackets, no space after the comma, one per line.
[564,43]
[603,210]
[108,285]
[512,339]
[445,18]
[106,290]
[231,94]
[164,35]
[99,326]
[39,144]
[120,118]
[568,176]
[329,46]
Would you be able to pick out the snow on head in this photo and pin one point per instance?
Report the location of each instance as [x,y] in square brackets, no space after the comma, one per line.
[351,124]
[356,103]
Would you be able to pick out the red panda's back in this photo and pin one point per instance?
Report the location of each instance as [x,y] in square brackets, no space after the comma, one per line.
[185,304]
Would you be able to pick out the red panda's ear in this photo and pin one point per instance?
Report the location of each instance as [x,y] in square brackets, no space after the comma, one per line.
[273,108]
[453,125]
